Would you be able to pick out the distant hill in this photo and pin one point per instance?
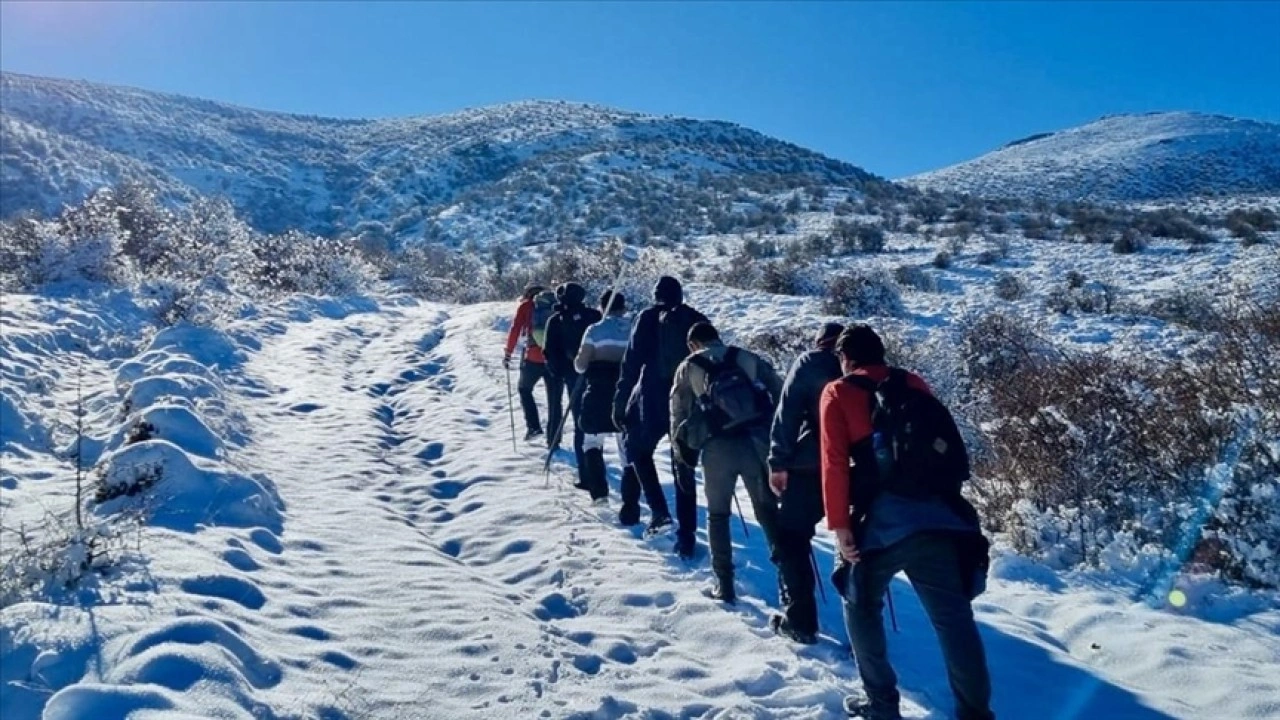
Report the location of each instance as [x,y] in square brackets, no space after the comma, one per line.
[1126,158]
[529,171]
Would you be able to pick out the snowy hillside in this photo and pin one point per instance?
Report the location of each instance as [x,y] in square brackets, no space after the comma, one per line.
[561,169]
[328,520]
[1124,158]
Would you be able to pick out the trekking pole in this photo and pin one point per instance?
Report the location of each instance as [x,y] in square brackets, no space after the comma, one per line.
[555,441]
[817,578]
[511,411]
[893,615]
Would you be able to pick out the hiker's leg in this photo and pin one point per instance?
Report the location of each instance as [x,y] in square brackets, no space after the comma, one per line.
[755,476]
[640,451]
[718,482]
[555,407]
[686,482]
[797,563]
[592,471]
[934,571]
[863,617]
[530,374]
[794,565]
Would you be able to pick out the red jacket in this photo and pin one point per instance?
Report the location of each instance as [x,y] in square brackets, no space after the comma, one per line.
[844,414]
[521,326]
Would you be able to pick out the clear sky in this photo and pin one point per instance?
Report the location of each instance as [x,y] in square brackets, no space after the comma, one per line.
[897,88]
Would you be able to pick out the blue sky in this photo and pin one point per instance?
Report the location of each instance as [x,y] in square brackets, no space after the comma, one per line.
[897,88]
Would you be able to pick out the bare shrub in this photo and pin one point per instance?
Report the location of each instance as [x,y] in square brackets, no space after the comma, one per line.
[781,346]
[942,260]
[863,293]
[1009,287]
[915,277]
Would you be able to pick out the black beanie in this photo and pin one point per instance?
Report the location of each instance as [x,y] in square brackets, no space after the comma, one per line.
[668,292]
[860,345]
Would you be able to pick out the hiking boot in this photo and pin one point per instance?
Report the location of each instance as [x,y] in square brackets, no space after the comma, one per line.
[782,627]
[657,526]
[535,433]
[858,706]
[629,515]
[684,548]
[722,591]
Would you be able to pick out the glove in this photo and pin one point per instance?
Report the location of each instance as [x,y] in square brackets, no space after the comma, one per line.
[506,361]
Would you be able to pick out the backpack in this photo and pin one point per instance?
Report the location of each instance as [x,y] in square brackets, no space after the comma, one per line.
[733,400]
[915,449]
[673,334]
[544,306]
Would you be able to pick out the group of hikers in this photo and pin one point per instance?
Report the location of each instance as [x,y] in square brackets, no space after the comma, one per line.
[843,435]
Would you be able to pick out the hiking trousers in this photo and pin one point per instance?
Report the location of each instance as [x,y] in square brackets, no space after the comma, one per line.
[641,444]
[724,460]
[933,565]
[556,387]
[795,569]
[530,374]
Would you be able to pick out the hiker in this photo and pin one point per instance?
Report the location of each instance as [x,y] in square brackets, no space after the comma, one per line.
[721,403]
[796,480]
[900,509]
[599,361]
[527,330]
[641,411]
[564,334]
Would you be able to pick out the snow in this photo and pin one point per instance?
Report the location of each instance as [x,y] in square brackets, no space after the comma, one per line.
[1127,158]
[341,529]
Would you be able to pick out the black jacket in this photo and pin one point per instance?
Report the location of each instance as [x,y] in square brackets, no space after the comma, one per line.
[793,439]
[564,335]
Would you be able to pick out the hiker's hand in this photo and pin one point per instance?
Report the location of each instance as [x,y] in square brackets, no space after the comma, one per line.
[506,361]
[845,546]
[778,482]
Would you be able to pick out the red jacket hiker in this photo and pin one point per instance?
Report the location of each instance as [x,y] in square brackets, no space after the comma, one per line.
[845,418]
[521,327]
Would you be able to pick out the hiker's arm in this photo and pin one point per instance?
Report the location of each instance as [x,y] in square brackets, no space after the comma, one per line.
[835,458]
[768,376]
[551,352]
[785,430]
[681,399]
[524,314]
[586,352]
[633,362]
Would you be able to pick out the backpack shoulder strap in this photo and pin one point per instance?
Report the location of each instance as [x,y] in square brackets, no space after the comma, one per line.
[730,356]
[705,363]
[862,382]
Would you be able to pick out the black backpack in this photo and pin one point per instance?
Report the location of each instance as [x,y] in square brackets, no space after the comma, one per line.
[733,401]
[673,334]
[915,449]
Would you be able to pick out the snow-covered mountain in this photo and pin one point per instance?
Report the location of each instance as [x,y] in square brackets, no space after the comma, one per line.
[1126,158]
[564,169]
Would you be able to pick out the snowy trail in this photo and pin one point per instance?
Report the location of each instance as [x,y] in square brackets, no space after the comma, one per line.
[413,532]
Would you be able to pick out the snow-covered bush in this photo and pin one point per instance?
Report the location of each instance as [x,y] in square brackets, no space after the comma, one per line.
[1009,287]
[863,293]
[915,277]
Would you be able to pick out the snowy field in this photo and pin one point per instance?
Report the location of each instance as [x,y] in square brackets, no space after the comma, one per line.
[344,530]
